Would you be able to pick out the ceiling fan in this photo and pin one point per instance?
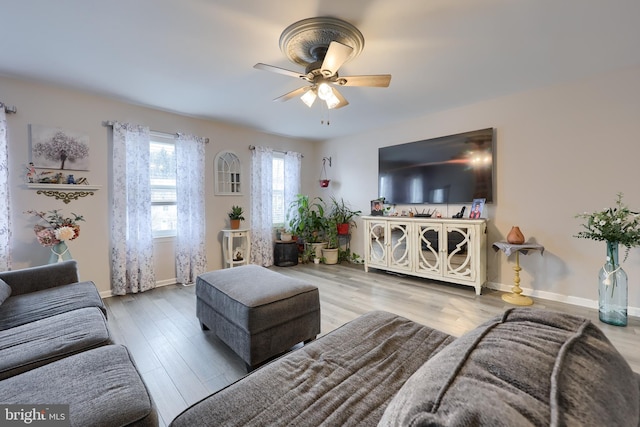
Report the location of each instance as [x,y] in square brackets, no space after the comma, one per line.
[322,45]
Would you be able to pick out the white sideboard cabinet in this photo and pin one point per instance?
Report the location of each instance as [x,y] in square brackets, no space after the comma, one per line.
[451,250]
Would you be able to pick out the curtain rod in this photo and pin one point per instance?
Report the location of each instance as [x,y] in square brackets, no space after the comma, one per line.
[9,109]
[110,123]
[253,147]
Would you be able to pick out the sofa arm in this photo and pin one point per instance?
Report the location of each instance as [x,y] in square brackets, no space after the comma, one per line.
[33,279]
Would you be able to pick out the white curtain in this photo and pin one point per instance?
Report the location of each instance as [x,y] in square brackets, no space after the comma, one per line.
[131,233]
[292,167]
[261,206]
[190,238]
[5,217]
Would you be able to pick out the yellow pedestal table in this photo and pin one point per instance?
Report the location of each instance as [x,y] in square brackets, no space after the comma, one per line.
[516,297]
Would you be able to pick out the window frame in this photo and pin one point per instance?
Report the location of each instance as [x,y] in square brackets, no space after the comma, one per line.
[167,140]
[278,157]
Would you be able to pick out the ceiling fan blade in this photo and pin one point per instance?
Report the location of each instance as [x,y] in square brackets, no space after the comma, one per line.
[337,54]
[380,80]
[265,67]
[343,101]
[293,94]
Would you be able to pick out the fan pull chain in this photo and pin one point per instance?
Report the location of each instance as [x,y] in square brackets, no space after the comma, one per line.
[322,109]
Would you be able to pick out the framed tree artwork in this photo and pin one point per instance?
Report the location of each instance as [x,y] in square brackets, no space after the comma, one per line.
[55,148]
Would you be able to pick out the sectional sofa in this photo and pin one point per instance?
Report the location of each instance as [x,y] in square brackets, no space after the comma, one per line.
[55,349]
[527,367]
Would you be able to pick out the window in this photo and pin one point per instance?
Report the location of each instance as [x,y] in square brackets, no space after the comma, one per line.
[228,174]
[162,169]
[279,209]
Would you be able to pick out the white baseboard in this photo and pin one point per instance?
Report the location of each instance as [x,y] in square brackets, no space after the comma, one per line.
[567,299]
[159,283]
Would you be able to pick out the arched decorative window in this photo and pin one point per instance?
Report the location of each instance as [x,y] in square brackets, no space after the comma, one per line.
[228,174]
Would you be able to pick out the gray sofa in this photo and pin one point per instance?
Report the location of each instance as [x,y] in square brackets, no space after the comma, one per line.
[527,367]
[55,349]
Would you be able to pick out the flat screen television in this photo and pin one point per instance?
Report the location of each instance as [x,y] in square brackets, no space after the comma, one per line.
[452,169]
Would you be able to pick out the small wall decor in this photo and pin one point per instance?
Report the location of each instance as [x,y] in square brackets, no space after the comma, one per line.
[477,206]
[324,181]
[227,174]
[55,148]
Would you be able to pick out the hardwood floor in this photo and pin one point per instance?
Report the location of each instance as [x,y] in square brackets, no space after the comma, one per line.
[182,364]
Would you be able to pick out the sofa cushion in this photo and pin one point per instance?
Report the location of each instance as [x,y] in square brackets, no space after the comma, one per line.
[526,367]
[34,344]
[5,291]
[32,279]
[345,378]
[25,308]
[101,386]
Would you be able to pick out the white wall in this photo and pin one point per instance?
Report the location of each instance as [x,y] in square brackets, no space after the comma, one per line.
[561,150]
[78,111]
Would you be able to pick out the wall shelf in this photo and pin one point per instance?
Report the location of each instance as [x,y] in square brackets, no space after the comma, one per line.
[64,192]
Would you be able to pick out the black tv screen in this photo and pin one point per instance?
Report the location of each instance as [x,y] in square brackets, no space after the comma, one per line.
[450,169]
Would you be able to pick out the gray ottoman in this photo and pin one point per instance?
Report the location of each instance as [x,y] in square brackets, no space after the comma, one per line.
[257,312]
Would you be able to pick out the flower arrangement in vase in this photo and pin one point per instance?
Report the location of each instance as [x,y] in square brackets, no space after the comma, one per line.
[615,226]
[57,230]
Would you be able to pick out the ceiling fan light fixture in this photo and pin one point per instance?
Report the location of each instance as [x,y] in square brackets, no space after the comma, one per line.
[332,101]
[309,97]
[324,91]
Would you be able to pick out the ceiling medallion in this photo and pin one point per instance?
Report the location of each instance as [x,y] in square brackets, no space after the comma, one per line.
[306,41]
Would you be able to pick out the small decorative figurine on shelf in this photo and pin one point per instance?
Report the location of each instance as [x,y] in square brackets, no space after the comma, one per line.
[71,179]
[31,173]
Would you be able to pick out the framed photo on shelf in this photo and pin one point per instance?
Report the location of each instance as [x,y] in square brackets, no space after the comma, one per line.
[477,206]
[377,207]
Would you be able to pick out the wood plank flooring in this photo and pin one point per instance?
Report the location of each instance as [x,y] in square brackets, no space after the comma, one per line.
[181,364]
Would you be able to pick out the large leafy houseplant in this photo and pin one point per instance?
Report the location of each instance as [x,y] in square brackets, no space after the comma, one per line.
[340,213]
[306,218]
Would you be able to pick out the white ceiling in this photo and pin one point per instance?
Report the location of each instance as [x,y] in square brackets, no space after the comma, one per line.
[196,57]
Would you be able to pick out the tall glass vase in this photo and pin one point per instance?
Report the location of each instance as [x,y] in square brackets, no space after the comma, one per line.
[612,289]
[59,252]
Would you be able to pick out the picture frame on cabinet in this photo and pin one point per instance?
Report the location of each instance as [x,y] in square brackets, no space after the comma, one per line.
[477,208]
[377,207]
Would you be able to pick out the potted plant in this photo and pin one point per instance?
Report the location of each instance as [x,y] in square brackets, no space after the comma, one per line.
[235,216]
[342,215]
[330,253]
[306,218]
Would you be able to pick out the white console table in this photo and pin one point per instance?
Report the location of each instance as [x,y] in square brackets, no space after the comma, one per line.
[236,247]
[451,250]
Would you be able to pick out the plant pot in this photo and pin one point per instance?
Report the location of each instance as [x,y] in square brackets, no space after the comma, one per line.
[235,224]
[343,229]
[324,183]
[317,247]
[330,256]
[285,237]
